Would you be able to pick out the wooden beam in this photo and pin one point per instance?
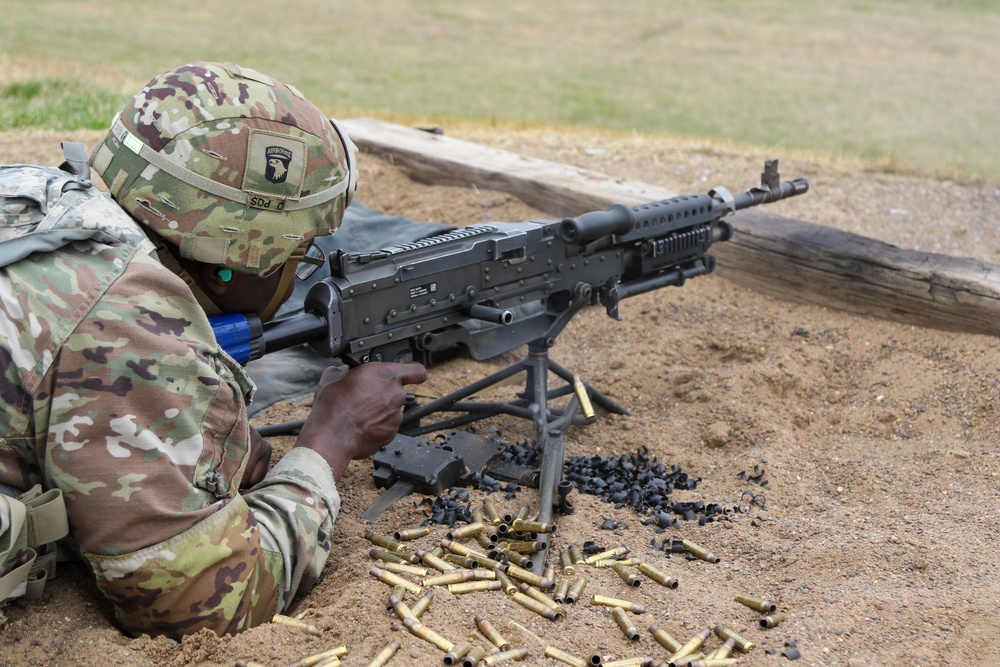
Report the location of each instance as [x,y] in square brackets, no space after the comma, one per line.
[786,258]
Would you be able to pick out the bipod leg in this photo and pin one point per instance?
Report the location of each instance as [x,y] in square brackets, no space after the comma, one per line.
[550,474]
[449,403]
[536,388]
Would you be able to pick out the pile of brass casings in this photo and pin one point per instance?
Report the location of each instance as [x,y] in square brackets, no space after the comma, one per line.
[497,552]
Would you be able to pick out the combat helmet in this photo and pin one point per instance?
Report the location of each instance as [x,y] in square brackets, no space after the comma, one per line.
[230,166]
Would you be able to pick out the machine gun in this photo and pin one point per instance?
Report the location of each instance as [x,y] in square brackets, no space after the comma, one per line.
[491,288]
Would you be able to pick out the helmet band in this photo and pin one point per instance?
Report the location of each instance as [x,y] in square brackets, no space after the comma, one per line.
[195,180]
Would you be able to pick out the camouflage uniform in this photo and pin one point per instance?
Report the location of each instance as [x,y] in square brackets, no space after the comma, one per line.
[116,392]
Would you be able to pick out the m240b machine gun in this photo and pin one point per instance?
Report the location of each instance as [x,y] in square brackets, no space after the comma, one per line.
[491,288]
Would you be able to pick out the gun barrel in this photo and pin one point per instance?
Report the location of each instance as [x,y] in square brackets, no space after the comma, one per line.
[765,194]
[616,220]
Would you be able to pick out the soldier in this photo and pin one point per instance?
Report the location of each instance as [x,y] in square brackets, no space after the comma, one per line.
[114,388]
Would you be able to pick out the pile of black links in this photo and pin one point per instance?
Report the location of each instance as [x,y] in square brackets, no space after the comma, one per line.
[637,481]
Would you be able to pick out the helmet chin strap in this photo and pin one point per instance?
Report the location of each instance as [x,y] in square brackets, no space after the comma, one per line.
[169,260]
[287,276]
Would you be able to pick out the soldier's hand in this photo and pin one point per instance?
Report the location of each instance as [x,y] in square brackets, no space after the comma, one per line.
[258,461]
[356,412]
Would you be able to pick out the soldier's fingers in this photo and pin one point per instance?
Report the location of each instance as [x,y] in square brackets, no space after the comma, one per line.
[412,373]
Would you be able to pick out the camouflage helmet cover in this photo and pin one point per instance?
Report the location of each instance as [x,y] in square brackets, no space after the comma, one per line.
[229,165]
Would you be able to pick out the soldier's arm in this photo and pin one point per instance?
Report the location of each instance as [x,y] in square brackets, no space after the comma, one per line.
[148,438]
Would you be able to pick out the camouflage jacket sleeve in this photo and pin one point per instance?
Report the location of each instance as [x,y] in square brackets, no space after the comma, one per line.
[142,422]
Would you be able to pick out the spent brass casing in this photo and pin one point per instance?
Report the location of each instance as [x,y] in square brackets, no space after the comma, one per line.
[723,651]
[436,562]
[281,619]
[398,591]
[390,556]
[517,572]
[504,656]
[536,606]
[562,588]
[519,559]
[506,584]
[402,610]
[664,639]
[531,591]
[420,606]
[583,397]
[462,562]
[564,657]
[474,586]
[523,514]
[609,562]
[625,623]
[468,530]
[700,552]
[491,512]
[714,662]
[484,540]
[403,568]
[455,655]
[610,553]
[687,660]
[394,579]
[421,631]
[473,657]
[657,575]
[566,563]
[412,533]
[491,633]
[384,541]
[457,576]
[549,572]
[462,550]
[773,620]
[385,655]
[758,604]
[575,555]
[638,661]
[742,645]
[525,546]
[576,590]
[316,658]
[605,601]
[627,575]
[691,646]
[524,526]
[479,638]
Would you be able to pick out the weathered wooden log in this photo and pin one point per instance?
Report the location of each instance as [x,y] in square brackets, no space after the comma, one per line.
[779,256]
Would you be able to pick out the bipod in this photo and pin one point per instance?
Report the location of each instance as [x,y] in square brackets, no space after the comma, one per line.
[532,404]
[537,365]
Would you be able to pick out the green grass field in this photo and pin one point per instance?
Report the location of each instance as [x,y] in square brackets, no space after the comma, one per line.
[912,85]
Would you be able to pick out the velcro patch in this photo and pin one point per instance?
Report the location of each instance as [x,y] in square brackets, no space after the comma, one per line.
[275,168]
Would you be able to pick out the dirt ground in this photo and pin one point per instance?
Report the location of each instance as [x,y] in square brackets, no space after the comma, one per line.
[878,442]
